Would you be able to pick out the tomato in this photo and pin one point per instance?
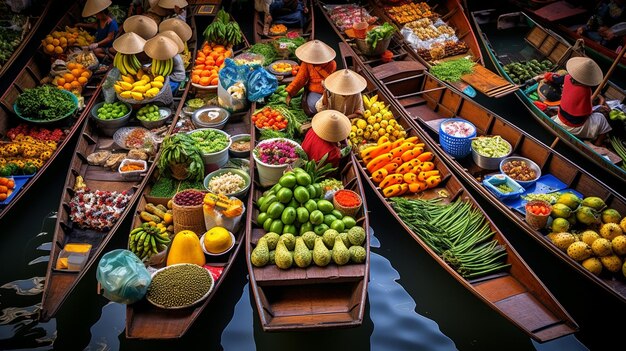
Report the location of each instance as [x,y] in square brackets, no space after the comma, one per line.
[279,118]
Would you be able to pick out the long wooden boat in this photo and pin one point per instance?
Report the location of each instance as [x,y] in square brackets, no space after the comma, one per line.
[60,283]
[540,43]
[433,101]
[36,70]
[515,293]
[262,25]
[37,14]
[312,298]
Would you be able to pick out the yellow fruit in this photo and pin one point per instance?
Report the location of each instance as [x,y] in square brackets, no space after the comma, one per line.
[217,240]
[139,83]
[140,73]
[141,88]
[601,247]
[126,85]
[145,78]
[156,84]
[136,95]
[152,92]
[159,79]
[563,240]
[589,236]
[126,94]
[118,88]
[610,230]
[593,265]
[612,262]
[619,244]
[579,251]
[361,123]
[622,224]
[128,78]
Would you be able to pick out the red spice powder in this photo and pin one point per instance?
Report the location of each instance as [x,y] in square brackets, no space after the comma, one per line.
[347,198]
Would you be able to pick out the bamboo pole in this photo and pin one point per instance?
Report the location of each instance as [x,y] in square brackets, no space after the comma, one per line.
[608,73]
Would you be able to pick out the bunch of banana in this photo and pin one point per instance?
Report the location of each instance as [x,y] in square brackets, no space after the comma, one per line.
[147,240]
[127,64]
[162,67]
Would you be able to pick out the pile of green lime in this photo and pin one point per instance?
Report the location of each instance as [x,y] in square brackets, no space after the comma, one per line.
[113,110]
[149,113]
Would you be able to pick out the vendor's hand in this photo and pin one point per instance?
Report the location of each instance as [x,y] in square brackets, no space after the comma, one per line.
[93,46]
[608,34]
[580,30]
[538,78]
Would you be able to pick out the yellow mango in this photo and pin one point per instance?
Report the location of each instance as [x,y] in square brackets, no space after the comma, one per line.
[157,84]
[152,92]
[159,79]
[145,78]
[137,95]
[141,88]
[126,94]
[128,79]
[118,88]
[139,83]
[126,85]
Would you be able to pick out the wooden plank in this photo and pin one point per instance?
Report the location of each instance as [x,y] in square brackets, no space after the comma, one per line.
[484,80]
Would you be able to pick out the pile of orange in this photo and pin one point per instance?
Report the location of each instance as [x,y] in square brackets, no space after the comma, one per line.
[56,42]
[209,60]
[76,77]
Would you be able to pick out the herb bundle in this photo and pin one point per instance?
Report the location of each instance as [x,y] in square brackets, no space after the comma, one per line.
[451,71]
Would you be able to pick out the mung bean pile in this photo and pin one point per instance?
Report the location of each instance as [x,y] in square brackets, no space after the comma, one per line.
[179,286]
[457,232]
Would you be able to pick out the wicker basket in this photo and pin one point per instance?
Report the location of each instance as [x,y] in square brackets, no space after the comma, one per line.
[347,211]
[188,218]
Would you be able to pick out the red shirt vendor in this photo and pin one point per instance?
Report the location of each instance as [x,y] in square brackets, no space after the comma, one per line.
[328,128]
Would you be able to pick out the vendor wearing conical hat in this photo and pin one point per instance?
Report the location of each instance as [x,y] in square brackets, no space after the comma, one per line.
[105,26]
[343,92]
[144,26]
[182,29]
[129,44]
[576,111]
[328,128]
[178,8]
[317,64]
[156,12]
[163,47]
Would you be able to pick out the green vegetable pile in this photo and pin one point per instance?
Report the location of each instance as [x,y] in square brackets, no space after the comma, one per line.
[9,40]
[44,103]
[491,146]
[180,150]
[451,71]
[223,31]
[265,49]
[519,72]
[456,232]
[293,113]
[379,33]
[209,141]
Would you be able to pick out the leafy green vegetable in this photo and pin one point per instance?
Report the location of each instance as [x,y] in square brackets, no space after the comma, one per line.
[451,71]
[45,102]
[267,50]
[379,33]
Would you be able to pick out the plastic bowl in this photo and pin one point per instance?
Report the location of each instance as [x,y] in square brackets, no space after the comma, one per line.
[532,165]
[110,126]
[210,117]
[165,113]
[237,138]
[48,121]
[491,183]
[232,239]
[246,177]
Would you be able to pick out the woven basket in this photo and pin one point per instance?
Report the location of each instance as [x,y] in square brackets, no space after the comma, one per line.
[347,211]
[188,218]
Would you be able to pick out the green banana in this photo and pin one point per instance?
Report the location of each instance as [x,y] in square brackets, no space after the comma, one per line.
[129,66]
[120,64]
[136,230]
[135,62]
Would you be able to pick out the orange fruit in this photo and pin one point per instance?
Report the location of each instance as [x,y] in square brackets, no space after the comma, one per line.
[76,72]
[86,74]
[75,84]
[228,53]
[56,42]
[58,49]
[50,48]
[214,81]
[195,78]
[82,80]
[205,81]
[49,40]
[205,73]
[60,81]
[69,77]
[67,86]
[71,65]
[217,240]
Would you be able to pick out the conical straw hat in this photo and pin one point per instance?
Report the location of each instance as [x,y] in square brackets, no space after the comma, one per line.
[331,125]
[160,48]
[177,25]
[94,6]
[169,4]
[345,82]
[584,70]
[145,26]
[154,7]
[172,35]
[129,43]
[315,52]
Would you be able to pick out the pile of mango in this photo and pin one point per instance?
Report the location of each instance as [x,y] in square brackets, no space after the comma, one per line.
[56,42]
[139,87]
[377,122]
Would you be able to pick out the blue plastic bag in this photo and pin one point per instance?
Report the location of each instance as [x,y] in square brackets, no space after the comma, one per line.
[123,276]
[260,84]
[232,73]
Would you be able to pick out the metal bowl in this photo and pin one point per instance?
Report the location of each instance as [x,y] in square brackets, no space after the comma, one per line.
[529,162]
[210,117]
[486,162]
[165,113]
[243,174]
[236,138]
[110,126]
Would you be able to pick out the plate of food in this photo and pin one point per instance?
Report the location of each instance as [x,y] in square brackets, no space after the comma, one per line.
[277,29]
[282,67]
[134,138]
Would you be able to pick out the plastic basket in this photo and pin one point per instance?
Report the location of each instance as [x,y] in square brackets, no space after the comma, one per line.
[458,147]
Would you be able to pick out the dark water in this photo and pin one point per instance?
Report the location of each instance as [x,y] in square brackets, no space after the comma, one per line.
[413,304]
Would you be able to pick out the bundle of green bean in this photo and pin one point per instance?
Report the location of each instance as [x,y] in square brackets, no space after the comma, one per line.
[457,232]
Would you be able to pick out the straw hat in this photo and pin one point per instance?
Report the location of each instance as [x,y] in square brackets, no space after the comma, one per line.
[177,25]
[145,26]
[129,43]
[169,4]
[345,82]
[584,70]
[155,8]
[160,48]
[172,35]
[331,125]
[94,6]
[315,52]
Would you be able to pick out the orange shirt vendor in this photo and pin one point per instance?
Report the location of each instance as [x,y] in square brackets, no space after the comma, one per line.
[328,128]
[317,64]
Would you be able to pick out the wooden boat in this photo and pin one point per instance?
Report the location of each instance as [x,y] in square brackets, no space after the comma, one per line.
[540,43]
[34,71]
[37,14]
[515,293]
[144,320]
[432,101]
[312,298]
[262,25]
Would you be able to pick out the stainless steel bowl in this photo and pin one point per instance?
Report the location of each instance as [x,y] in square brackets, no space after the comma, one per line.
[210,117]
[530,164]
[486,162]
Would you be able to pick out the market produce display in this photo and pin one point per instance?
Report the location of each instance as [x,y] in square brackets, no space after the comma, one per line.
[153,235]
[377,121]
[345,16]
[149,113]
[270,118]
[44,103]
[451,71]
[140,86]
[181,157]
[7,185]
[57,42]
[209,60]
[113,110]
[97,209]
[408,12]
[9,40]
[72,78]
[209,140]
[223,30]
[520,72]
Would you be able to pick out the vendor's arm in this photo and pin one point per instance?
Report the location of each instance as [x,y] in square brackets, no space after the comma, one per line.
[552,77]
[93,25]
[108,40]
[299,81]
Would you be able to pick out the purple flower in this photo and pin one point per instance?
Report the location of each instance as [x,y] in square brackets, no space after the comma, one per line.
[276,152]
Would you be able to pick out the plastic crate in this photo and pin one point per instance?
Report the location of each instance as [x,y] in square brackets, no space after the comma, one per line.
[458,147]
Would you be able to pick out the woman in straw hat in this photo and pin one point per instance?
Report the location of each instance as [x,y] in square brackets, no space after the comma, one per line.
[162,47]
[328,128]
[576,113]
[156,12]
[144,26]
[317,64]
[343,92]
[177,8]
[178,71]
[105,26]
